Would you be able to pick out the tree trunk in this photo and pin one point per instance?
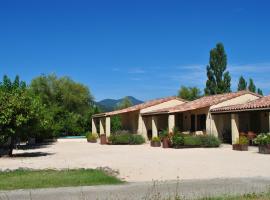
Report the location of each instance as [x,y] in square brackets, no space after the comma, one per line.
[11,146]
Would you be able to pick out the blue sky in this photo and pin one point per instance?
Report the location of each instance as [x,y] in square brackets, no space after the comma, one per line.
[143,48]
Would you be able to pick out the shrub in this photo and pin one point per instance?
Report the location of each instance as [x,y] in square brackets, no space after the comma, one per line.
[155,139]
[92,137]
[122,132]
[242,140]
[209,141]
[137,139]
[177,140]
[164,134]
[87,134]
[192,141]
[262,139]
[126,139]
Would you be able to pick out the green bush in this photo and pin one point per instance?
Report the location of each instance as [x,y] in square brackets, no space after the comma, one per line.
[155,139]
[92,137]
[126,139]
[87,134]
[209,141]
[242,140]
[262,139]
[177,140]
[137,139]
[164,134]
[192,141]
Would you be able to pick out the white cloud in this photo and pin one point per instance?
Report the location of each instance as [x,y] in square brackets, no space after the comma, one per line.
[136,71]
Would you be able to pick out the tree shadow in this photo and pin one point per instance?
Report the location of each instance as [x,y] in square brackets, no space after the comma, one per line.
[34,146]
[31,154]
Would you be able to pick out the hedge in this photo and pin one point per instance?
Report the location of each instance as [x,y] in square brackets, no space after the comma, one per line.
[125,139]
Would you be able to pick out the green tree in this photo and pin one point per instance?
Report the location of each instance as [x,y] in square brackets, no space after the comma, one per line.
[260,92]
[242,84]
[69,105]
[125,103]
[219,80]
[116,123]
[189,93]
[251,86]
[19,112]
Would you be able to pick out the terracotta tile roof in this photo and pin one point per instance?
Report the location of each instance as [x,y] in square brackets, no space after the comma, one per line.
[139,106]
[202,102]
[262,103]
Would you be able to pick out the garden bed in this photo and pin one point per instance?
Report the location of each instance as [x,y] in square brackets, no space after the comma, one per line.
[126,139]
[180,141]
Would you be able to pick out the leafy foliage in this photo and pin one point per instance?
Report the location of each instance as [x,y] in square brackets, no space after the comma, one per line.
[251,86]
[242,140]
[20,112]
[69,105]
[126,138]
[177,140]
[219,80]
[194,141]
[116,124]
[242,85]
[209,141]
[260,92]
[189,93]
[181,140]
[262,139]
[155,139]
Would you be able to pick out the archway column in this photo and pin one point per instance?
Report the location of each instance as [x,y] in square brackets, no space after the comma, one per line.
[154,127]
[235,127]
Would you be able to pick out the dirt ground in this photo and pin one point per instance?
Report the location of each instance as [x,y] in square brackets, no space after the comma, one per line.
[142,162]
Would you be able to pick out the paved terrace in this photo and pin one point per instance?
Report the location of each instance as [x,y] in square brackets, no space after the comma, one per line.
[144,163]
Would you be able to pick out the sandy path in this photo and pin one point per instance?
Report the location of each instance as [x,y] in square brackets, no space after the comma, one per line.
[143,163]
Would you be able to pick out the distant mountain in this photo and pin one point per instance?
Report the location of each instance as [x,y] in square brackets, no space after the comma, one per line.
[110,104]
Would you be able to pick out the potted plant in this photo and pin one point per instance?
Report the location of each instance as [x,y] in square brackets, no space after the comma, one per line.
[103,139]
[164,136]
[241,144]
[263,141]
[92,138]
[155,142]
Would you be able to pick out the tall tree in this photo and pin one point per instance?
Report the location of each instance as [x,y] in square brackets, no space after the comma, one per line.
[189,93]
[260,92]
[242,84]
[19,112]
[219,80]
[251,86]
[69,105]
[125,103]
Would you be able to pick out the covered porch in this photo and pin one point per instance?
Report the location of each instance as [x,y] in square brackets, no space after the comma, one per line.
[101,124]
[245,123]
[189,121]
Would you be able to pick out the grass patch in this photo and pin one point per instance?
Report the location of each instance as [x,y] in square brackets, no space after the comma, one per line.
[26,179]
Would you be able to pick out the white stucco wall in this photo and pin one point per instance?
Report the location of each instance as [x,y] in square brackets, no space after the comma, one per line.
[237,100]
[167,104]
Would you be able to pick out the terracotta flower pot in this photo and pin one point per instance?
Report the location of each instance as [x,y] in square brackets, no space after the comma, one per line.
[240,147]
[155,144]
[264,149]
[165,143]
[103,139]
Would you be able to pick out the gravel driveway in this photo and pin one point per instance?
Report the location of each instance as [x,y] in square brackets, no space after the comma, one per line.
[144,163]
